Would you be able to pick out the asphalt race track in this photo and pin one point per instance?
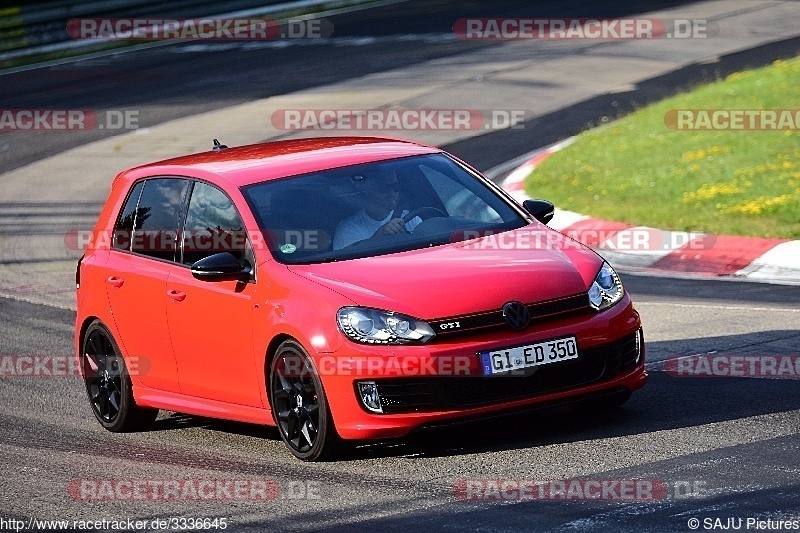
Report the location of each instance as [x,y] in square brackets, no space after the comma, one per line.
[714,447]
[724,447]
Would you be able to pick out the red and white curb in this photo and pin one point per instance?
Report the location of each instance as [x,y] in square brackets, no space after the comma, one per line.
[631,247]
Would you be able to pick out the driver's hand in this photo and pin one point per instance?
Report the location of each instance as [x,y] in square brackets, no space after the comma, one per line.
[395,226]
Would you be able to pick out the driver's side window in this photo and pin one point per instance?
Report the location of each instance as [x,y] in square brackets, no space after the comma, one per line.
[213,225]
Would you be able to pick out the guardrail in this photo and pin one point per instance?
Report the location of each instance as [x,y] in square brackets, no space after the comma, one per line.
[39,26]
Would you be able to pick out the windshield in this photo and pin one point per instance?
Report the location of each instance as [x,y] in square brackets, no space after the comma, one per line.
[375,209]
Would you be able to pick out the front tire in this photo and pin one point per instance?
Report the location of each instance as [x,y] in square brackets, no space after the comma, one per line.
[299,405]
[108,383]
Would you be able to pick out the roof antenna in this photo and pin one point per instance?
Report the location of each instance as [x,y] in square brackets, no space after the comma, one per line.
[218,146]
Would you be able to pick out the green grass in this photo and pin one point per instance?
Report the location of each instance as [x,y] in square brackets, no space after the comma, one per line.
[638,170]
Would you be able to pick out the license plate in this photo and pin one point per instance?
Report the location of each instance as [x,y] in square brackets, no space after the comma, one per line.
[530,355]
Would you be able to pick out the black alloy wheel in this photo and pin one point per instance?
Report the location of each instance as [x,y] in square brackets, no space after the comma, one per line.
[299,405]
[108,383]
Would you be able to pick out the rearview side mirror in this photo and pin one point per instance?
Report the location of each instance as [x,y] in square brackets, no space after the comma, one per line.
[542,210]
[220,267]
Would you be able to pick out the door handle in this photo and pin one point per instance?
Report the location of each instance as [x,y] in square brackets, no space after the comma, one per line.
[114,281]
[178,296]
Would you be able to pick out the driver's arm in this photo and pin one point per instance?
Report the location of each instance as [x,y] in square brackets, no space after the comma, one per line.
[395,226]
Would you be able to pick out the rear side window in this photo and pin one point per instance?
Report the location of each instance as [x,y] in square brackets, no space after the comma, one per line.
[213,225]
[155,218]
[127,217]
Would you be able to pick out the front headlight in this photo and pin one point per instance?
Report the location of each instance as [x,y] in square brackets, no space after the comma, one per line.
[606,289]
[373,326]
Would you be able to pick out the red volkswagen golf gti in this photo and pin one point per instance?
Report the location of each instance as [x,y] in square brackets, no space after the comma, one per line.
[341,289]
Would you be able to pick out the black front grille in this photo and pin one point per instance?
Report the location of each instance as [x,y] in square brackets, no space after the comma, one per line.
[607,361]
[540,311]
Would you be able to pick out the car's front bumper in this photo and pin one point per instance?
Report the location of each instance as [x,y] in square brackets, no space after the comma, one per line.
[443,381]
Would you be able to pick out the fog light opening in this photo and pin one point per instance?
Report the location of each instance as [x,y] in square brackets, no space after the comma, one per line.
[639,344]
[368,391]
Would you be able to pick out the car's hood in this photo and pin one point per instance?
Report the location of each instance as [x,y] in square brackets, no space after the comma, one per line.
[529,265]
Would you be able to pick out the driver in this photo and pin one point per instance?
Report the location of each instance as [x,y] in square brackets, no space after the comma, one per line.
[379,216]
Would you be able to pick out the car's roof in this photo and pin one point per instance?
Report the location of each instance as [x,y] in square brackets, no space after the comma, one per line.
[260,162]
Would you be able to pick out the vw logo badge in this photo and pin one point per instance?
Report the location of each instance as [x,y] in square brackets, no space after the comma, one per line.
[516,315]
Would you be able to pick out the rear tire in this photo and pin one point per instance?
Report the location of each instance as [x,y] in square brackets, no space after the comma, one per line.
[108,383]
[299,405]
